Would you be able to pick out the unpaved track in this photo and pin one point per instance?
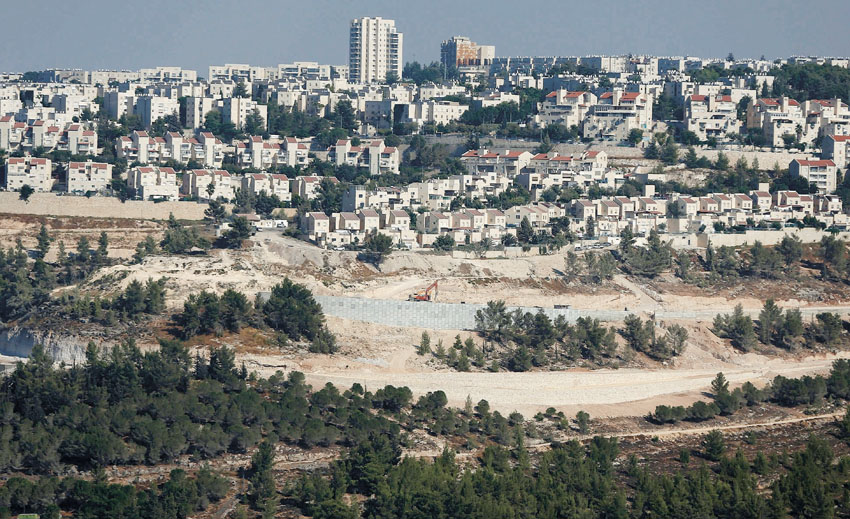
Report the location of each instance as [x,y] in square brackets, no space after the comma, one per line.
[603,393]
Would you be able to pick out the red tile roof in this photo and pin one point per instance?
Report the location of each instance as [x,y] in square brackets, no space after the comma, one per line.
[816,163]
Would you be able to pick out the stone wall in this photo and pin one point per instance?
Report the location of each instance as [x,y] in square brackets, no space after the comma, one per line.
[453,316]
[766,237]
[435,316]
[51,204]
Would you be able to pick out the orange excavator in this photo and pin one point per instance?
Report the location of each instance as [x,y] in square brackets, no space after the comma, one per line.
[429,294]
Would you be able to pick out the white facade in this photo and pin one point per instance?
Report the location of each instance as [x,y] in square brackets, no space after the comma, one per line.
[84,177]
[154,183]
[375,50]
[30,171]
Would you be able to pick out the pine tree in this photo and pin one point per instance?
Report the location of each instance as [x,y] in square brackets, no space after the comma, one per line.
[719,385]
[44,240]
[263,490]
[424,344]
[102,246]
[770,318]
[441,351]
[463,361]
[713,445]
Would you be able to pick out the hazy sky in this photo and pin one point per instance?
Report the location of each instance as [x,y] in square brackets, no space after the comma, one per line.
[38,34]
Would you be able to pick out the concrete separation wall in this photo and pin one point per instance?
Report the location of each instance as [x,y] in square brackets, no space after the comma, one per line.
[50,204]
[435,316]
[453,316]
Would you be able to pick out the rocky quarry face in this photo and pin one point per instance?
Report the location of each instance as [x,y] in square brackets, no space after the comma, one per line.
[67,348]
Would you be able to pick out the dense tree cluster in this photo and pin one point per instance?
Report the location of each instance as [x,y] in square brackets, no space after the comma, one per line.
[784,329]
[208,313]
[788,392]
[811,81]
[289,310]
[651,260]
[726,264]
[643,337]
[178,239]
[129,407]
[179,497]
[527,339]
[26,285]
[135,301]
[575,480]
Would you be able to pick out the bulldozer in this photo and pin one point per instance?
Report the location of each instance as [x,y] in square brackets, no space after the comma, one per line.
[429,294]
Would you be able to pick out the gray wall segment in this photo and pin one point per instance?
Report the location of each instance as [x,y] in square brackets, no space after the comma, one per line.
[454,316]
[435,316]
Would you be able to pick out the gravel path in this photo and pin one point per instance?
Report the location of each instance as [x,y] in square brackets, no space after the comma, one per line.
[624,392]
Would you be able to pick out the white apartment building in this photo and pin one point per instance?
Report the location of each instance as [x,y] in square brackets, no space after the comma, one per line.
[509,164]
[374,155]
[616,114]
[31,171]
[778,117]
[19,136]
[118,103]
[271,184]
[259,154]
[196,110]
[237,109]
[822,173]
[150,108]
[711,116]
[154,183]
[237,72]
[84,177]
[434,112]
[196,182]
[832,116]
[375,50]
[564,107]
[834,148]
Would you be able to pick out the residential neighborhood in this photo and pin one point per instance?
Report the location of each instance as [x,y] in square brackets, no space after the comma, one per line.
[443,259]
[587,146]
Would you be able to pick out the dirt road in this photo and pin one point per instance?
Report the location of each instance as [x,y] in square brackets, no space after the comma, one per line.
[603,393]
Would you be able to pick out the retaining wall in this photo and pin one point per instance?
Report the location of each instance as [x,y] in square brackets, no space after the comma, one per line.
[436,316]
[454,316]
[50,204]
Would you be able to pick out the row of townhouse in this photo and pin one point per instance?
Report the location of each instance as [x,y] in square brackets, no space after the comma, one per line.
[164,183]
[355,227]
[196,183]
[465,226]
[733,209]
[610,116]
[152,106]
[37,173]
[373,155]
[512,163]
[782,118]
[76,138]
[141,147]
[711,116]
[262,154]
[433,194]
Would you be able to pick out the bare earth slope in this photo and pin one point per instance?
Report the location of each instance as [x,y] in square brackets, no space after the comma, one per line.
[375,355]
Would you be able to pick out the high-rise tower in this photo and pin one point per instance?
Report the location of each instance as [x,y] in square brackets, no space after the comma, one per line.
[375,50]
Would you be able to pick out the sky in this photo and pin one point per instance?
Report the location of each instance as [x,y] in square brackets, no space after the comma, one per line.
[110,34]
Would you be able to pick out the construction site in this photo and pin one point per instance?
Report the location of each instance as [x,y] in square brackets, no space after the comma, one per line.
[379,314]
